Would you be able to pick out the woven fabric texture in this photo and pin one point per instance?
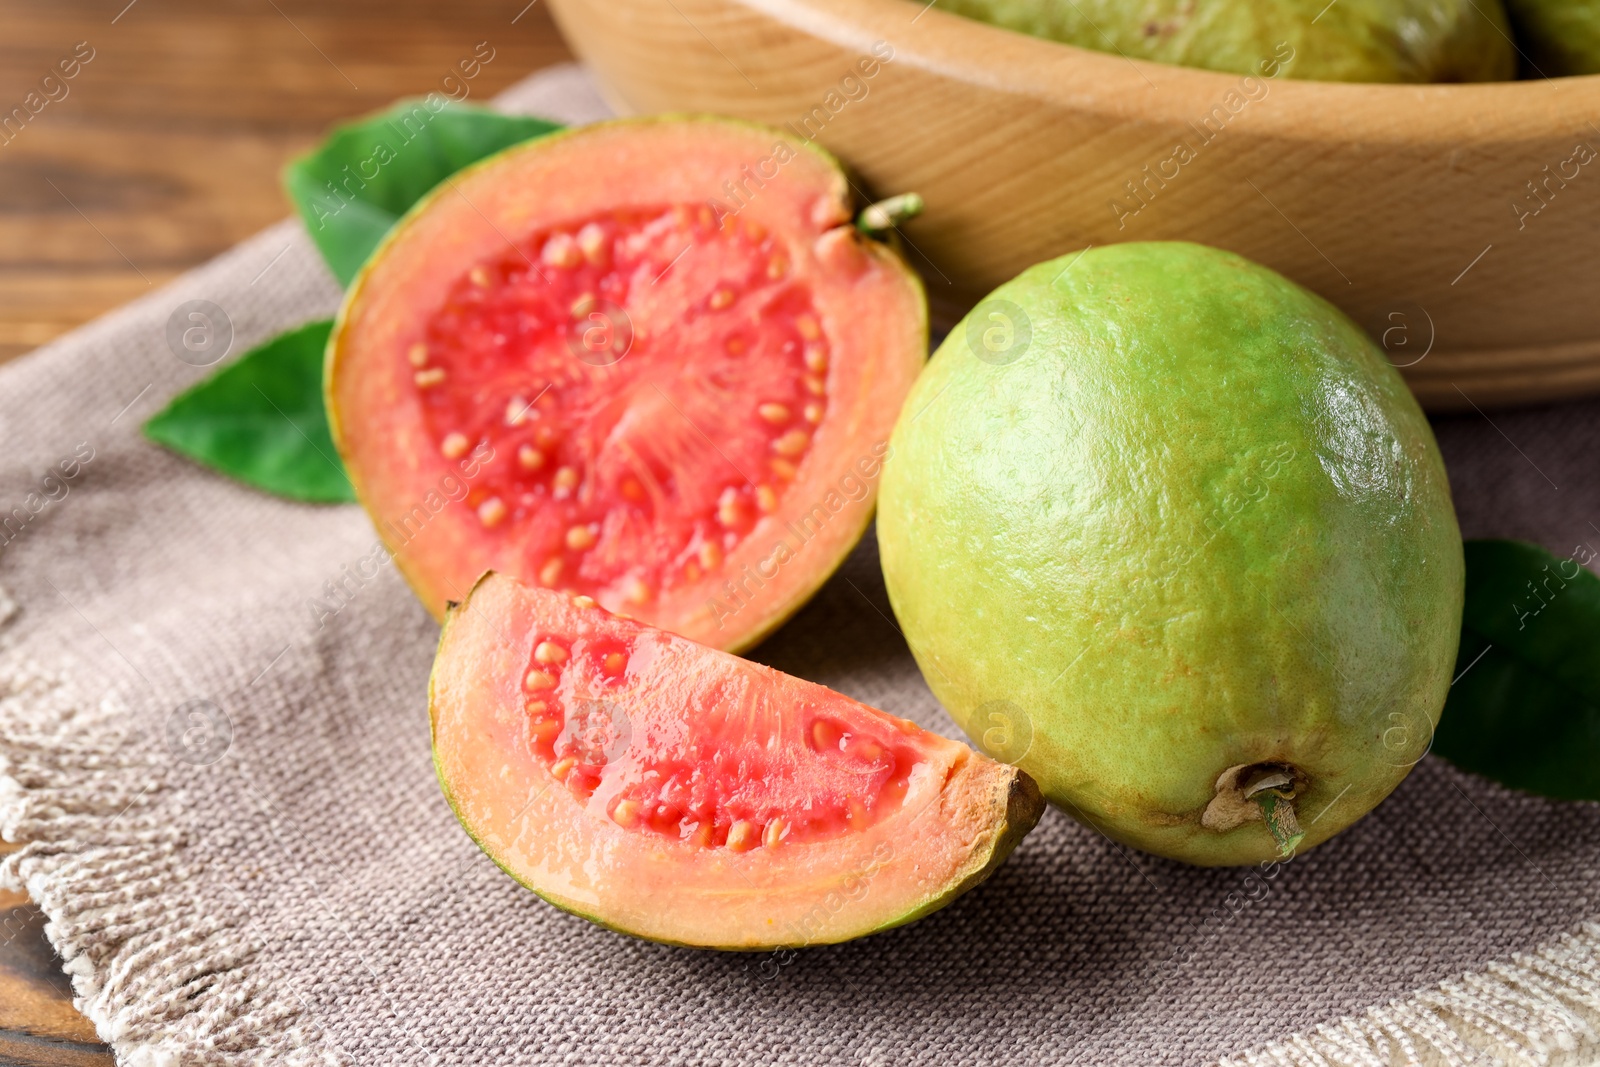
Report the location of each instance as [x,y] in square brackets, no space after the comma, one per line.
[292,888]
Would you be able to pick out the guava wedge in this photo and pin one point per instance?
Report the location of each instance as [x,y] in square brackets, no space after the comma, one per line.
[667,790]
[649,361]
[1168,532]
[1349,40]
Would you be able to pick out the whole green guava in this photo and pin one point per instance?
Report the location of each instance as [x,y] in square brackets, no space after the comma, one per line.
[1346,40]
[1557,37]
[1168,532]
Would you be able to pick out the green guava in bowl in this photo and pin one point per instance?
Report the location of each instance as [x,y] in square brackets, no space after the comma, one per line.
[1557,37]
[1169,533]
[1349,40]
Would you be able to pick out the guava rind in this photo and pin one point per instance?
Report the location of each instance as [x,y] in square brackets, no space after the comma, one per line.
[1195,522]
[1351,40]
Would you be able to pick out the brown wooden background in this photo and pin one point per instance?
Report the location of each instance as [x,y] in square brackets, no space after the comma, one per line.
[164,152]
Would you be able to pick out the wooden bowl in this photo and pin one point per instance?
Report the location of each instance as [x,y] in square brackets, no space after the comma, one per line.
[1460,224]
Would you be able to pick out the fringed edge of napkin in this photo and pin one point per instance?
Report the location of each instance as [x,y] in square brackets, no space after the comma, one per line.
[105,859]
[1541,1008]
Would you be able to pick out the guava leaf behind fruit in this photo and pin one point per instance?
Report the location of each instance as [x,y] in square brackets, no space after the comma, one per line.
[366,174]
[261,420]
[1525,706]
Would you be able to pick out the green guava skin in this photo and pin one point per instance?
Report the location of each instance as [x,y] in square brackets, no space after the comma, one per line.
[1198,522]
[1350,40]
[1559,37]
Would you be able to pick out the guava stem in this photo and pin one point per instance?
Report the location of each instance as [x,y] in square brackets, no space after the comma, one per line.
[885,215]
[1278,811]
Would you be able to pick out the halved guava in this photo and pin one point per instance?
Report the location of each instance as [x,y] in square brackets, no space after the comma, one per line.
[648,361]
[667,790]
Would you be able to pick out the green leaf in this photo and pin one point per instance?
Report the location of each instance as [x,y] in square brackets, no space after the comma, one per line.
[1278,812]
[365,175]
[261,420]
[1525,706]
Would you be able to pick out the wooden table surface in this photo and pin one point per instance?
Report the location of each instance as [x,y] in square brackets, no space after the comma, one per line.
[164,152]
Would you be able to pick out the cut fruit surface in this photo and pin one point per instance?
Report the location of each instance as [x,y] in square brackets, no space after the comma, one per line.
[678,793]
[647,361]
